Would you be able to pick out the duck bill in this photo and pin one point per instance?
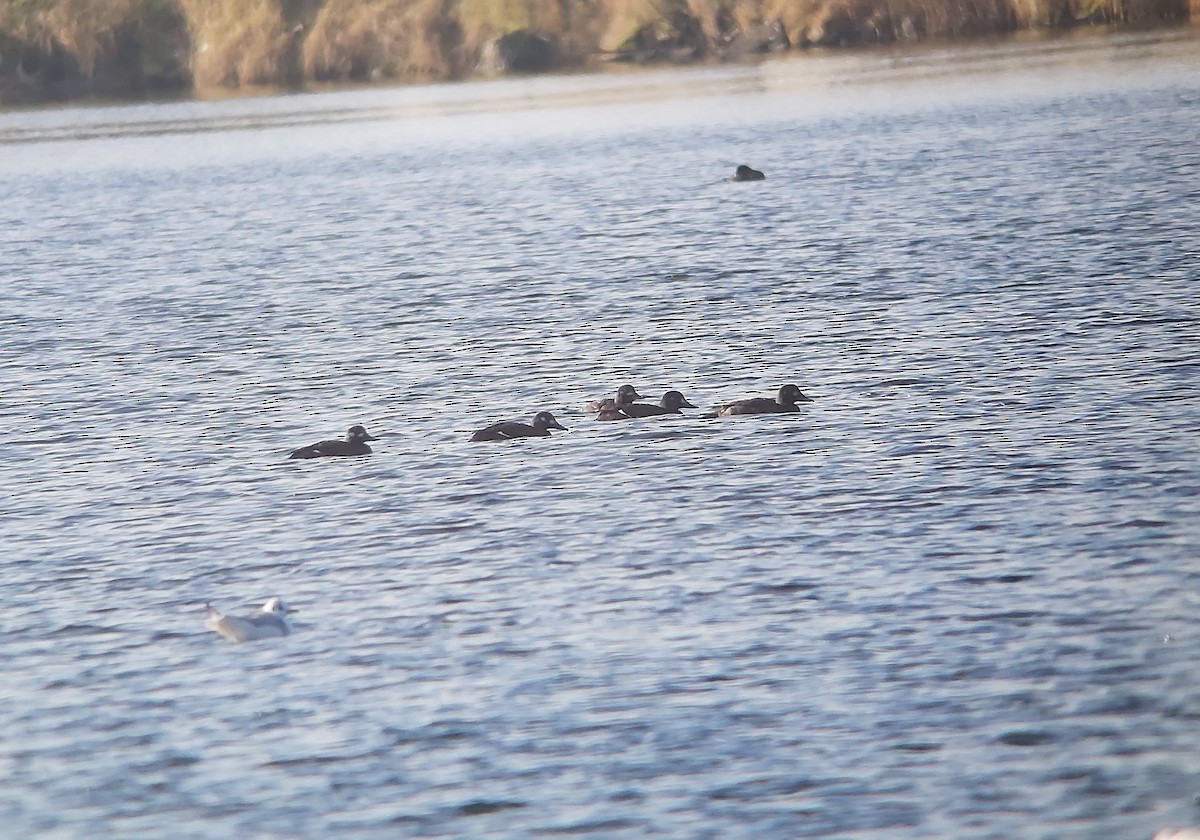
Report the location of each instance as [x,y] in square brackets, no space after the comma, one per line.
[686,404]
[370,437]
[558,426]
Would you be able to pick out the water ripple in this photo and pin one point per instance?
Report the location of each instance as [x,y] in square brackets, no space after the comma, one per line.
[951,597]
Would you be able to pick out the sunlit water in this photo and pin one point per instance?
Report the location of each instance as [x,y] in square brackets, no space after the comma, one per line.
[958,596]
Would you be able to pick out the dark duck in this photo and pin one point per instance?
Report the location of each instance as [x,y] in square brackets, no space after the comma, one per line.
[789,395]
[625,395]
[671,402]
[543,422]
[745,173]
[354,444]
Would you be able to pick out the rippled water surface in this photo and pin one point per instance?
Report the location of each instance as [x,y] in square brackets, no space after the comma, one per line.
[957,596]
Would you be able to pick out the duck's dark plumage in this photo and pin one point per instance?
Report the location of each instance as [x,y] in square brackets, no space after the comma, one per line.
[354,444]
[789,395]
[543,422]
[671,402]
[625,395]
[745,173]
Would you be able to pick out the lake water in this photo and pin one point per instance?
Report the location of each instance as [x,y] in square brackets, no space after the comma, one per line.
[958,596]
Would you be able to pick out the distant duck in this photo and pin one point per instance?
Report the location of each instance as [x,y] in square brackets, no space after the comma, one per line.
[671,402]
[789,395]
[269,622]
[745,173]
[625,395]
[543,422]
[354,444]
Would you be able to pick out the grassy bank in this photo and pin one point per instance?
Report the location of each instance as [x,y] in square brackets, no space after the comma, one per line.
[63,49]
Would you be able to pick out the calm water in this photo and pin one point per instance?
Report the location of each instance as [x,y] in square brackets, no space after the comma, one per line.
[957,597]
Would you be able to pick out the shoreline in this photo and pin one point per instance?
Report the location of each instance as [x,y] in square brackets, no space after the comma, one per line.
[177,61]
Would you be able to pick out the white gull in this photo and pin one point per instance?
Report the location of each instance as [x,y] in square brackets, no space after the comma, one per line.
[267,623]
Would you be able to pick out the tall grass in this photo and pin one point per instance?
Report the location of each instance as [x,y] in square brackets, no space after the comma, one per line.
[81,29]
[67,48]
[382,39]
[207,44]
[236,42]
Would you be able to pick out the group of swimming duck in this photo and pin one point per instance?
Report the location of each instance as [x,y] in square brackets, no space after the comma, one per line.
[622,407]
[271,620]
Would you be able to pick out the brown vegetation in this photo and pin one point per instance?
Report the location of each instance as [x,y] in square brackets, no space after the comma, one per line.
[68,48]
[360,40]
[235,43]
[52,49]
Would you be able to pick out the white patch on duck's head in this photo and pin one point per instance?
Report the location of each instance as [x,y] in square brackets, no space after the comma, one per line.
[358,434]
[627,394]
[545,420]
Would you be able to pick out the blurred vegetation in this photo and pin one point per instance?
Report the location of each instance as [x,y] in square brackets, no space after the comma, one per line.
[56,49]
[60,49]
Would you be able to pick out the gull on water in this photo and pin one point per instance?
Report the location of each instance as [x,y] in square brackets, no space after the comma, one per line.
[267,623]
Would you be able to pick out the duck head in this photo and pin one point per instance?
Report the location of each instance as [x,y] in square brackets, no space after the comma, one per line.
[790,395]
[673,401]
[358,434]
[545,420]
[627,394]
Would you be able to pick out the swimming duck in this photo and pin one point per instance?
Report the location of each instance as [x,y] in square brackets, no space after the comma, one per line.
[625,395]
[267,623]
[354,444]
[789,395]
[543,422]
[671,402]
[745,173]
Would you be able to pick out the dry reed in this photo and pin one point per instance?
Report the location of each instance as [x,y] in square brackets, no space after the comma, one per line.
[236,42]
[373,39]
[233,43]
[82,29]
